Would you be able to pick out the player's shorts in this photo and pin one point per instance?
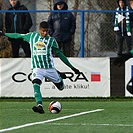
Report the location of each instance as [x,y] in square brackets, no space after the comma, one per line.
[50,73]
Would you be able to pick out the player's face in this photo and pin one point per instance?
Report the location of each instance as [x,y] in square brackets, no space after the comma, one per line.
[13,2]
[60,6]
[43,32]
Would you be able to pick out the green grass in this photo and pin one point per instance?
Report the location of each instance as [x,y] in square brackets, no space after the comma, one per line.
[117,116]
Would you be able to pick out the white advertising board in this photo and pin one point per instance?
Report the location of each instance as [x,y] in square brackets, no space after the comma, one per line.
[94,81]
[128,75]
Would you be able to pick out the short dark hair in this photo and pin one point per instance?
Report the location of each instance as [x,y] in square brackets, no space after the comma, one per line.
[44,24]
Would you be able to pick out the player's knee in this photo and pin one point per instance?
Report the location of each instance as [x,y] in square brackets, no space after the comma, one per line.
[37,81]
[60,85]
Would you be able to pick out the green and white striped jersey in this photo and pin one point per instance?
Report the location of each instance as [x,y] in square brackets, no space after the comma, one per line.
[41,49]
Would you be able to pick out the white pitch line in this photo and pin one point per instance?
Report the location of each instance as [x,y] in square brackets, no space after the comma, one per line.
[90,124]
[47,121]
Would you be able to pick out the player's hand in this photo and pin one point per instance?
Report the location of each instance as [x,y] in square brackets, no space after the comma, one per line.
[76,70]
[119,61]
[1,33]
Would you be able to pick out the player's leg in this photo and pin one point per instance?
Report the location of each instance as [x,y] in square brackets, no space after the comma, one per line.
[37,78]
[60,85]
[55,78]
[36,85]
[62,75]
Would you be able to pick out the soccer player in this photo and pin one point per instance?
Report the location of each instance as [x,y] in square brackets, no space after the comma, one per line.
[41,45]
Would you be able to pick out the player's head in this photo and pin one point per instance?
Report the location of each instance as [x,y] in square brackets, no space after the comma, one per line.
[43,28]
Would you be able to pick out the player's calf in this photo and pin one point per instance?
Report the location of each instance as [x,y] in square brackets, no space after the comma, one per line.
[60,85]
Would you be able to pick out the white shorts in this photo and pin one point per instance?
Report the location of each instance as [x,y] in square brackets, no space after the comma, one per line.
[50,73]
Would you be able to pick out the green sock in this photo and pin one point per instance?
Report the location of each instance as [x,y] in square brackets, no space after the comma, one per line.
[37,93]
[62,87]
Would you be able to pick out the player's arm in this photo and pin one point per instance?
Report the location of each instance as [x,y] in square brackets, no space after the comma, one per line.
[14,35]
[64,59]
[25,37]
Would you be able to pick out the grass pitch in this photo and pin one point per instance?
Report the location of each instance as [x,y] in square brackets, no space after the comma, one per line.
[116,117]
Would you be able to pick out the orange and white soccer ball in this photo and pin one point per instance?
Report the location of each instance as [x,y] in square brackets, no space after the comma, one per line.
[55,107]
